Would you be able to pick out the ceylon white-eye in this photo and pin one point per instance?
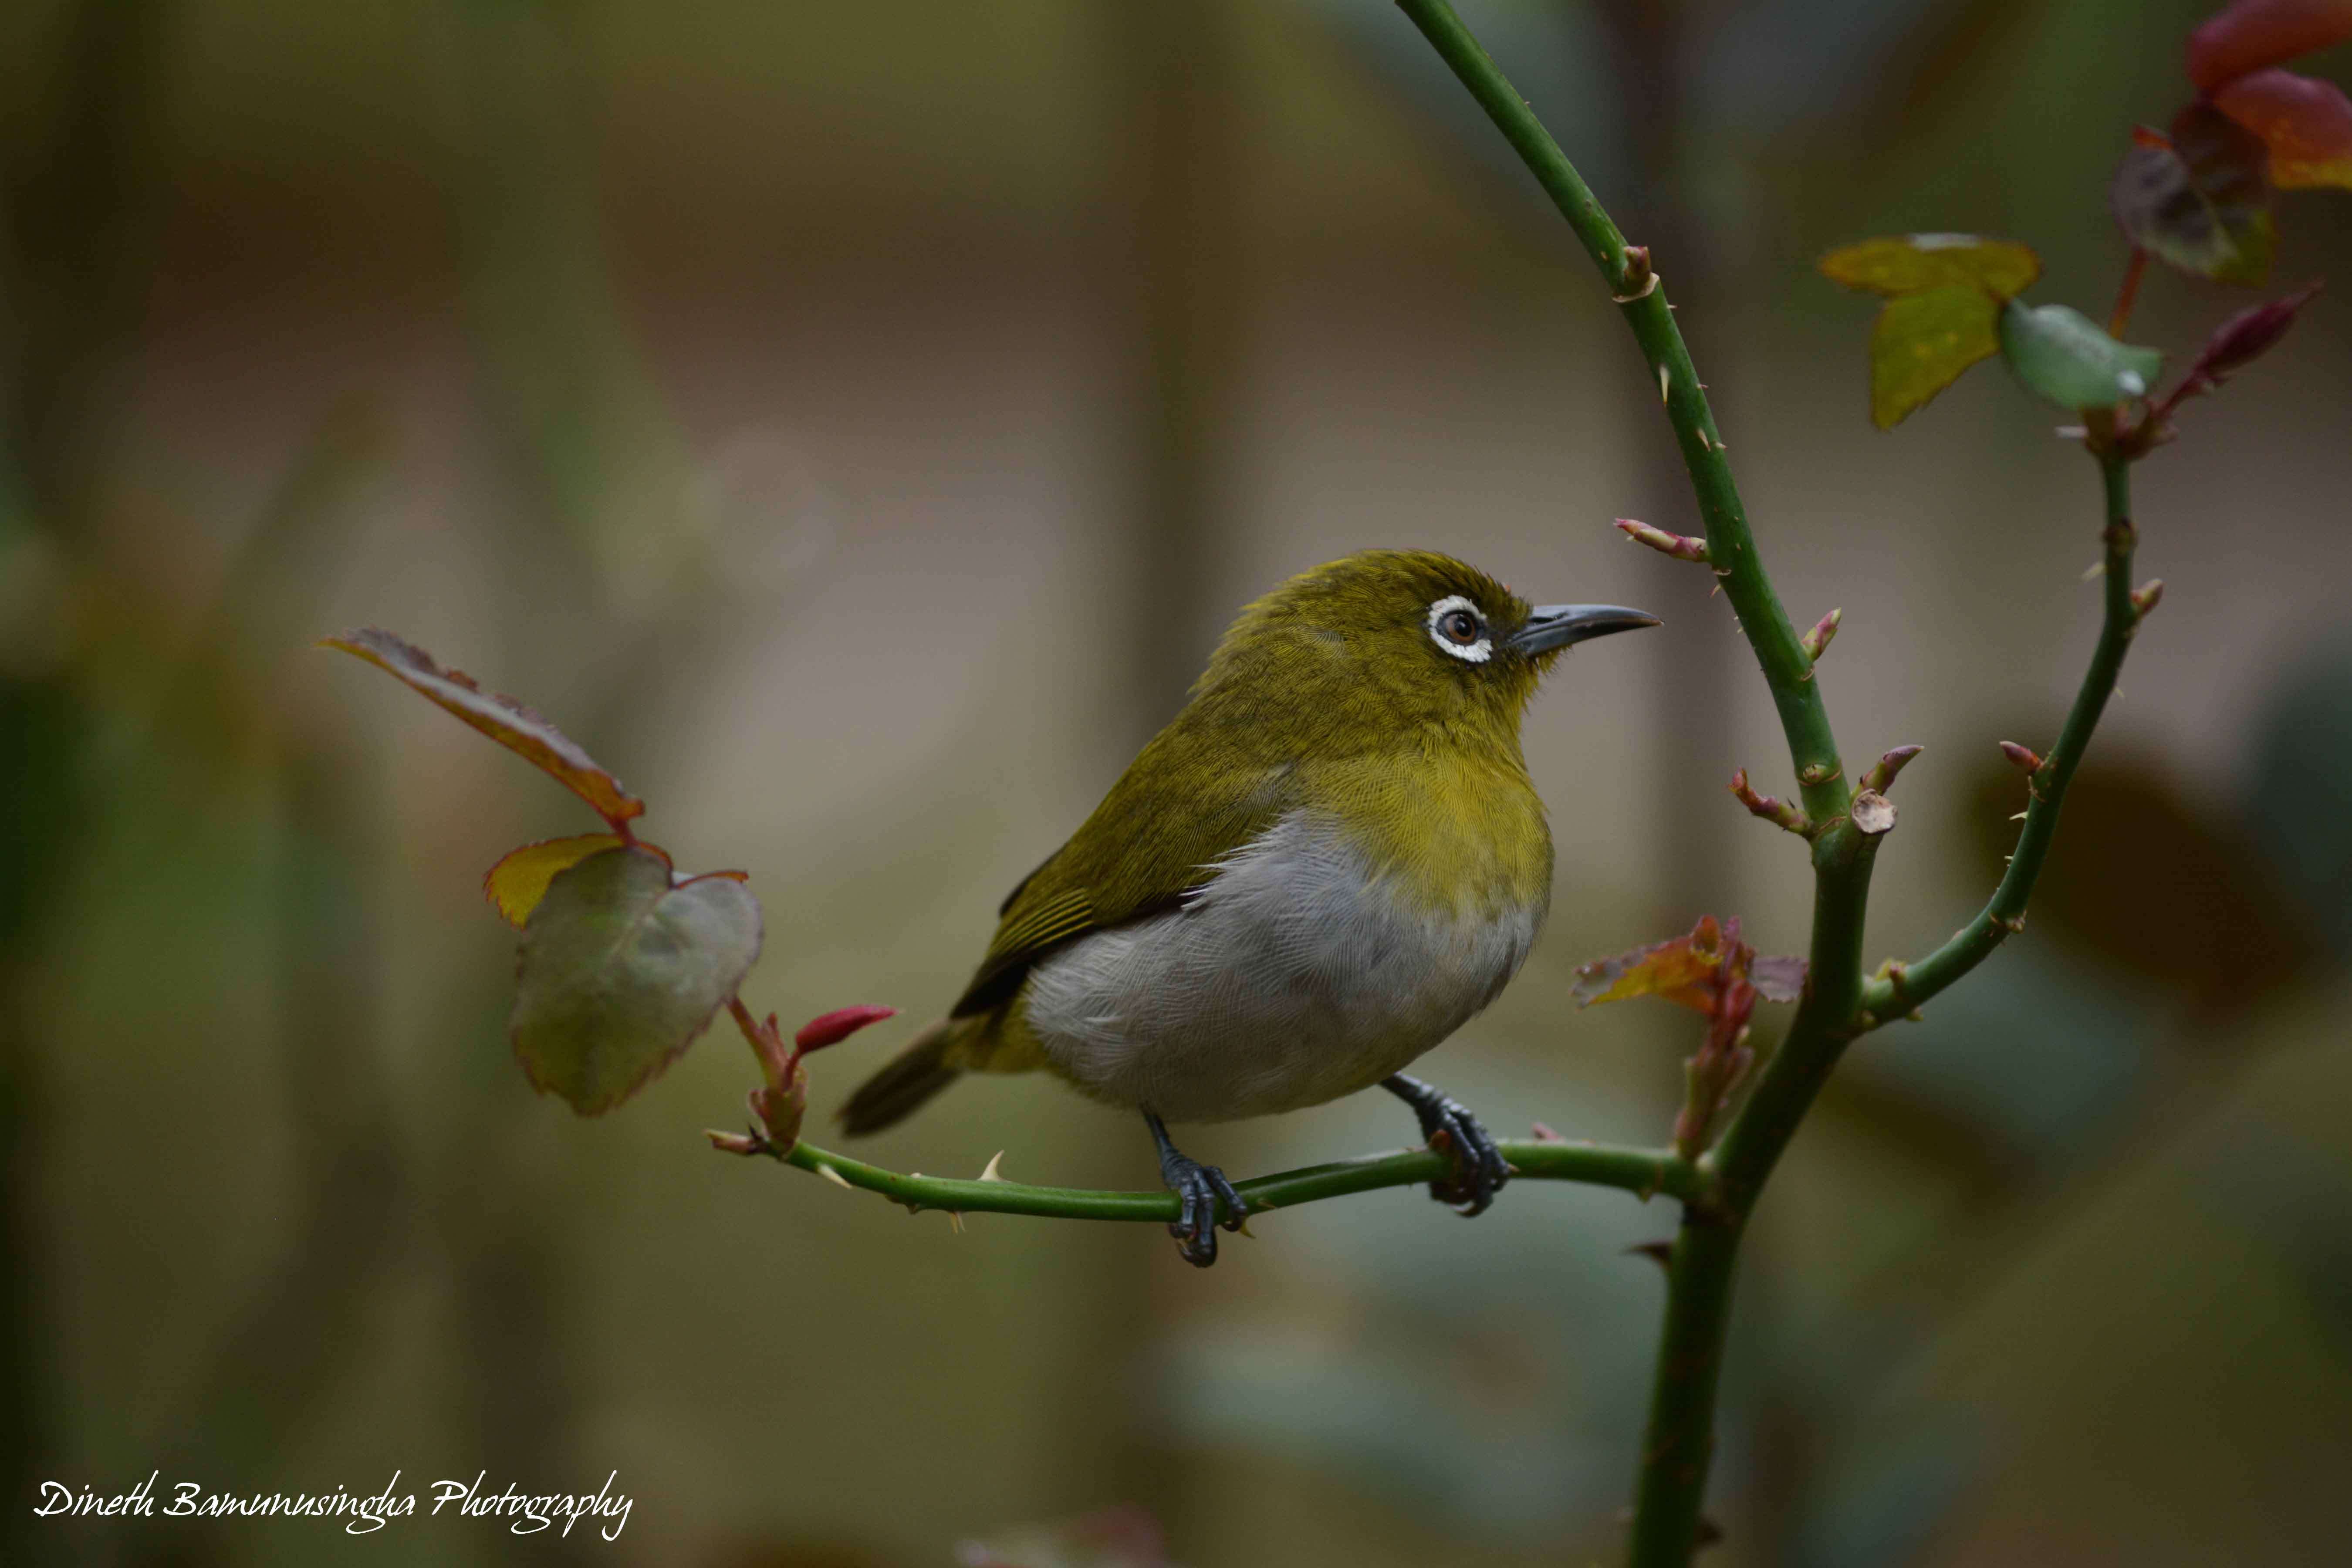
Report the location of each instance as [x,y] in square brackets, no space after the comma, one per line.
[1330,860]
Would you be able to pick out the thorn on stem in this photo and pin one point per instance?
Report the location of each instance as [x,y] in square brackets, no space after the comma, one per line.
[1680,546]
[2147,595]
[1817,641]
[1660,1253]
[2023,760]
[1779,813]
[2096,570]
[1881,777]
[1542,1133]
[732,1142]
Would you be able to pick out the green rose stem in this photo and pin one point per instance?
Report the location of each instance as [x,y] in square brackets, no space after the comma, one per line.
[1837,1004]
[1642,1171]
[1842,824]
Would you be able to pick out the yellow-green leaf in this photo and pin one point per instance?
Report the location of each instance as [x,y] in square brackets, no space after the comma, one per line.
[1921,344]
[621,967]
[1904,264]
[516,884]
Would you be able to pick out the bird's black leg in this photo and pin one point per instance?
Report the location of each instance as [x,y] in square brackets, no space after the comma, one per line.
[1199,1189]
[1479,1170]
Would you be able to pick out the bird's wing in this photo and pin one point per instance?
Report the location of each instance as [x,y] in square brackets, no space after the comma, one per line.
[1187,803]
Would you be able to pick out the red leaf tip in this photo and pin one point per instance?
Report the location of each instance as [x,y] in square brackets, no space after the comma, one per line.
[832,1028]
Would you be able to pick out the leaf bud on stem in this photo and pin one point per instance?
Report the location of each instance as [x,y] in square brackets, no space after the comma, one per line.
[1817,641]
[1881,778]
[1680,546]
[1778,812]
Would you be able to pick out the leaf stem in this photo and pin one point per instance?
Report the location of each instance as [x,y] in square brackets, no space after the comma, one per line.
[1904,986]
[1642,1171]
[2129,294]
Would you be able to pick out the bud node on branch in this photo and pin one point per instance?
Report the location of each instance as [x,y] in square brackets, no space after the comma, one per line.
[1816,641]
[1779,813]
[1680,546]
[1637,281]
[1882,776]
[2146,596]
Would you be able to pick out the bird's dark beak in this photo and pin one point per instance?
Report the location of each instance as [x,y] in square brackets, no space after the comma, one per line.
[1556,625]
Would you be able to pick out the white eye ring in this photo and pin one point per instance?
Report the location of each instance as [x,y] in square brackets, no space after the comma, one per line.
[1477,652]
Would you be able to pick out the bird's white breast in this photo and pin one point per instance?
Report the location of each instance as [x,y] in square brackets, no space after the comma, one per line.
[1297,974]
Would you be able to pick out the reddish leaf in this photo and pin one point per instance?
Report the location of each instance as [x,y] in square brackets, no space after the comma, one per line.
[2306,124]
[502,718]
[2204,202]
[2254,33]
[832,1028]
[516,884]
[1680,970]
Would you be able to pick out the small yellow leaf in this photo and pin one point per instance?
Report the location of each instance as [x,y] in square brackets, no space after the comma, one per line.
[1921,344]
[516,884]
[1914,263]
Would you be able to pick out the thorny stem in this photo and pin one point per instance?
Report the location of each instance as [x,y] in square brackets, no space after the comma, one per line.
[1719,1191]
[1680,1437]
[1642,1171]
[1837,1005]
[1904,987]
[1641,294]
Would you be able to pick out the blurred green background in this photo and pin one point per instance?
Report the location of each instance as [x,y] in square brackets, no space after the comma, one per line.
[854,424]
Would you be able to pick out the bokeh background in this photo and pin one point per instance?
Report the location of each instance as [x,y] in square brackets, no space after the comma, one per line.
[854,425]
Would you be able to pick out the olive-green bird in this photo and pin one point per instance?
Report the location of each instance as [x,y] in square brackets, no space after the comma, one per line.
[1328,862]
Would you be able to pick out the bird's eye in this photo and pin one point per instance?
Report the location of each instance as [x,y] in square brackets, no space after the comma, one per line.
[1456,627]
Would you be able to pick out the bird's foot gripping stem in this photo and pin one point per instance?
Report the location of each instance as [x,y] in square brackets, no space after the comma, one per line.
[1479,1170]
[1199,1190]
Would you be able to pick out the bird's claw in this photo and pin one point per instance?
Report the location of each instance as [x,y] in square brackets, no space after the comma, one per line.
[1199,1190]
[1479,1169]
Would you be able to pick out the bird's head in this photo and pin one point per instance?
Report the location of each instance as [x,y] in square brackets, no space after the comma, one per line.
[1395,638]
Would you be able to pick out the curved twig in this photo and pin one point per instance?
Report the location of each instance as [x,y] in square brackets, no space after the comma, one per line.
[1642,1171]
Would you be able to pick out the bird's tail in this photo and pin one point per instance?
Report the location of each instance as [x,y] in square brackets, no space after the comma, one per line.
[908,1079]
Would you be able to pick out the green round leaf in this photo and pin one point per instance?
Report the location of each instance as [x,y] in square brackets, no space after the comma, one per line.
[1913,263]
[620,970]
[1922,343]
[2063,354]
